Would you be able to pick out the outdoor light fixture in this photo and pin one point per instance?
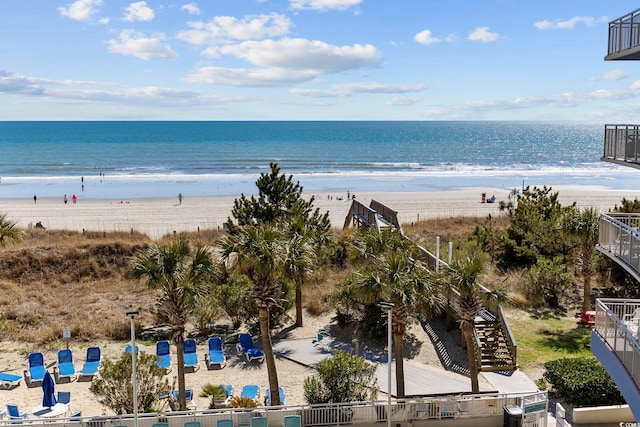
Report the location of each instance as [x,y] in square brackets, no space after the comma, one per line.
[388,306]
[134,356]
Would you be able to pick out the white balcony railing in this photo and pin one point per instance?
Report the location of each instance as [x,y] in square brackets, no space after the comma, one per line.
[618,326]
[619,239]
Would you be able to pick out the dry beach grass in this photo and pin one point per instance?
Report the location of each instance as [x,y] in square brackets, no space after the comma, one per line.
[64,277]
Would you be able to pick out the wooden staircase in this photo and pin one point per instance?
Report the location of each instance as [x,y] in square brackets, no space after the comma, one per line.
[493,350]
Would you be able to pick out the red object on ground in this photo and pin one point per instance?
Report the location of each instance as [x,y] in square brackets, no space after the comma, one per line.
[588,318]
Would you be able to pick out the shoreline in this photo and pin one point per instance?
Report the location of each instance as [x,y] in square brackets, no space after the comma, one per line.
[158,216]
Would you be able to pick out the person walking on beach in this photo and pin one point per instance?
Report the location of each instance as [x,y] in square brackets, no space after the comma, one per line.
[74,198]
[179,198]
[65,199]
[35,199]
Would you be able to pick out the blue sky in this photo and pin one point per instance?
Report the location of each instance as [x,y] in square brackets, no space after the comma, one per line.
[314,60]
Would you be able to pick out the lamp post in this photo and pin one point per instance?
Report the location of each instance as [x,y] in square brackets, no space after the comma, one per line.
[134,356]
[388,306]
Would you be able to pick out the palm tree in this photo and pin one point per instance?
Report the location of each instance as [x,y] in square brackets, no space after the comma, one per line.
[260,253]
[8,230]
[583,226]
[463,276]
[180,275]
[392,274]
[300,260]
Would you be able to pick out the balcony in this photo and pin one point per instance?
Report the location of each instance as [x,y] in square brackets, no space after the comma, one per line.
[619,239]
[614,342]
[624,38]
[622,144]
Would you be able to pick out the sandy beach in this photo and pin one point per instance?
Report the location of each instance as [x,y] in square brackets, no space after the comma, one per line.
[159,216]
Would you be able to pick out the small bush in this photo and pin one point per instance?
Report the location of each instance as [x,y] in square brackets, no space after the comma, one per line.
[581,381]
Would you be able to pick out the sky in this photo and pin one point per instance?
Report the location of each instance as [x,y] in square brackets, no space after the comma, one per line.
[314,60]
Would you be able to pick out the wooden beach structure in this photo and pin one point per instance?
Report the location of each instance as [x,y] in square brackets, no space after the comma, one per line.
[495,347]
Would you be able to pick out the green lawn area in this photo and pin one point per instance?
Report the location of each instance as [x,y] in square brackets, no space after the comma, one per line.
[544,336]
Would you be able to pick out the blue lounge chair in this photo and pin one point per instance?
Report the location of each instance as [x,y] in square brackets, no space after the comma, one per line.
[15,415]
[160,425]
[163,351]
[127,349]
[76,417]
[192,424]
[259,422]
[280,392]
[66,368]
[9,381]
[215,357]
[36,369]
[292,421]
[188,397]
[91,364]
[251,391]
[224,423]
[246,346]
[190,354]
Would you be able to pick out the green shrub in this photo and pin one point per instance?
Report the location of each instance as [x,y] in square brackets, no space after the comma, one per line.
[581,381]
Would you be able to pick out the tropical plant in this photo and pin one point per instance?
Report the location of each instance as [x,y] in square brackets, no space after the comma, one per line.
[217,393]
[280,203]
[114,390]
[8,230]
[582,226]
[259,253]
[391,274]
[343,378]
[463,276]
[180,274]
[242,402]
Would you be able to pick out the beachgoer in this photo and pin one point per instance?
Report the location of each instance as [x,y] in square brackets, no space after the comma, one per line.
[180,198]
[348,194]
[35,199]
[65,199]
[74,198]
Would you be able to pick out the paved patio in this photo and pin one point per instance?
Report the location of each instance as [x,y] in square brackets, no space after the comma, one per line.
[420,379]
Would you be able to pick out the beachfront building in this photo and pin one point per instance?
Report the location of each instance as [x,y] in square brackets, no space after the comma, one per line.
[615,339]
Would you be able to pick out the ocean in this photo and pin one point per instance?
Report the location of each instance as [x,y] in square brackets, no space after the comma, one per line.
[128,159]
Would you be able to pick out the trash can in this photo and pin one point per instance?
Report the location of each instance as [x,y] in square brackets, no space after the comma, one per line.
[512,416]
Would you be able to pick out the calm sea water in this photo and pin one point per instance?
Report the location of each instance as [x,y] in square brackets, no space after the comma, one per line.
[159,159]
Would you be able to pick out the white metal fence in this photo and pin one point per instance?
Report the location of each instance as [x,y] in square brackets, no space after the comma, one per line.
[363,413]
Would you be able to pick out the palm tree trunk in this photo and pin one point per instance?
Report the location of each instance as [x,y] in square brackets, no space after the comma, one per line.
[298,303]
[265,331]
[182,401]
[586,301]
[398,354]
[467,332]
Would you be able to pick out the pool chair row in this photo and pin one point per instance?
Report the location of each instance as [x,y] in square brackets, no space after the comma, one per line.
[252,391]
[64,371]
[214,358]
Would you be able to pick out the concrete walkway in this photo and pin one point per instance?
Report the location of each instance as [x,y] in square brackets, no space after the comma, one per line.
[420,379]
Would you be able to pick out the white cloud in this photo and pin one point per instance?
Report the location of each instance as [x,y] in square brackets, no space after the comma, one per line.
[424,37]
[349,89]
[264,77]
[568,24]
[612,75]
[401,101]
[483,35]
[136,44]
[302,54]
[223,28]
[323,5]
[80,10]
[138,11]
[191,8]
